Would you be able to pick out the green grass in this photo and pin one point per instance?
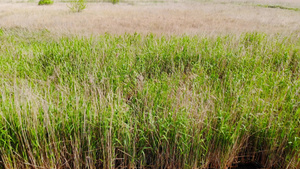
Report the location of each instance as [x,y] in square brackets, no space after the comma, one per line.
[45,2]
[279,7]
[145,101]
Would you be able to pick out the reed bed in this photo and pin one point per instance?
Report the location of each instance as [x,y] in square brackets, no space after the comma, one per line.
[142,101]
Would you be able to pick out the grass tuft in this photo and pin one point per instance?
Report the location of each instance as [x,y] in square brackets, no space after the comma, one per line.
[45,2]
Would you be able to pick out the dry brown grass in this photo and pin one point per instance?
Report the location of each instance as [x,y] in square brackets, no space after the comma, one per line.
[190,17]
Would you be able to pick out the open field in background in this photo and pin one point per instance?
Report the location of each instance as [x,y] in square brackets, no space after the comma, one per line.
[183,17]
[143,84]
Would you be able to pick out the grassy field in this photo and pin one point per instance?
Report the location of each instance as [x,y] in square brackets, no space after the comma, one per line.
[190,17]
[143,101]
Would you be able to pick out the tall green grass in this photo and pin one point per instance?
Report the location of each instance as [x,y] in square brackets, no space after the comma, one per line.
[140,101]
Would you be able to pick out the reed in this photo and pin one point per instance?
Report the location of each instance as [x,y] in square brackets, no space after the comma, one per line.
[140,101]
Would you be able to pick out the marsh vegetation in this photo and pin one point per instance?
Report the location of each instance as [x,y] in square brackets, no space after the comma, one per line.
[140,101]
[164,84]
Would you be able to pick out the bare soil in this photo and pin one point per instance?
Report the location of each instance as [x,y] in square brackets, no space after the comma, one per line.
[181,17]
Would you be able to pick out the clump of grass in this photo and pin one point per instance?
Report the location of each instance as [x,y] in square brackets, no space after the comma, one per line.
[115,1]
[77,5]
[45,2]
[144,101]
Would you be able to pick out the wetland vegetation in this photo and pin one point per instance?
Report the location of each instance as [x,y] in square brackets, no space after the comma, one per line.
[147,101]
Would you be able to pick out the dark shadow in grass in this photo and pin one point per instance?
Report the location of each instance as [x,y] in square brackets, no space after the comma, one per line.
[279,7]
[248,166]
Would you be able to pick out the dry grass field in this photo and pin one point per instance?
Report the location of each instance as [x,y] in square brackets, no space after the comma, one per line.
[180,17]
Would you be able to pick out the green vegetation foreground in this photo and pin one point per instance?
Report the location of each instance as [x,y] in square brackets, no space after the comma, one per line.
[146,101]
